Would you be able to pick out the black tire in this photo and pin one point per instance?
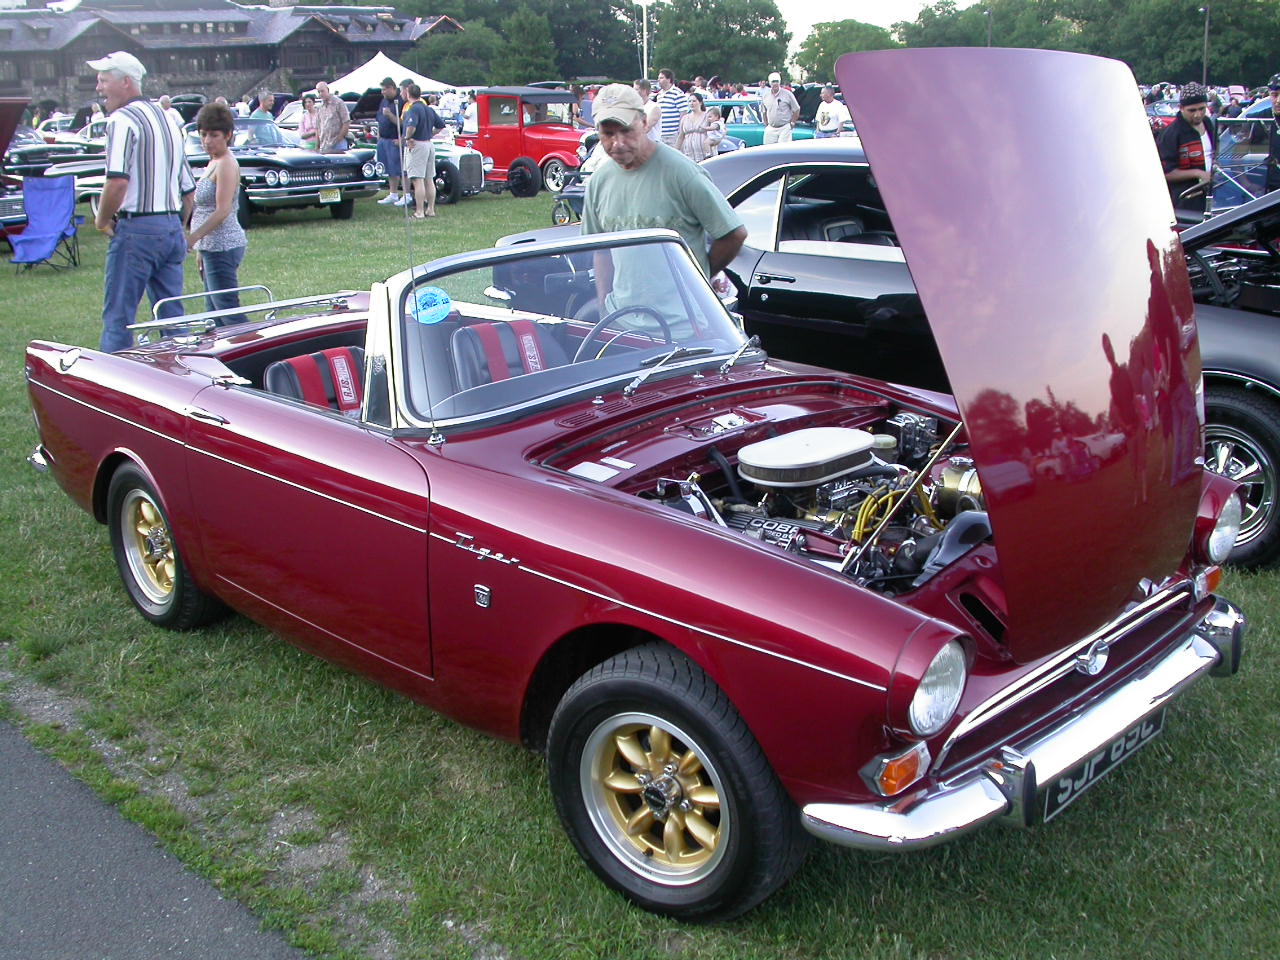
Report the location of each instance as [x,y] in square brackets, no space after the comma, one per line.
[448,183]
[1242,441]
[343,209]
[523,178]
[553,172]
[150,563]
[243,210]
[694,766]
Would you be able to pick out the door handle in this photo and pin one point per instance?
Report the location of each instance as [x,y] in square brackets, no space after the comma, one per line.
[196,413]
[767,278]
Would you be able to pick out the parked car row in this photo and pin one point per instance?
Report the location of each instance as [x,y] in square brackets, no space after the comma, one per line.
[737,601]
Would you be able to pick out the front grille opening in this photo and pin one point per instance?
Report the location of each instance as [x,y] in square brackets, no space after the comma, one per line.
[985,616]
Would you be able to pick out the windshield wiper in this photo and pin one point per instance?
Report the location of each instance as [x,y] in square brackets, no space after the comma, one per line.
[656,363]
[753,343]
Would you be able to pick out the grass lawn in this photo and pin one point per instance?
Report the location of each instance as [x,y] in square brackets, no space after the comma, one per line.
[362,825]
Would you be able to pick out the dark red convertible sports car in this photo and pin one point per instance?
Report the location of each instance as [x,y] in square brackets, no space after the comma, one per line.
[737,603]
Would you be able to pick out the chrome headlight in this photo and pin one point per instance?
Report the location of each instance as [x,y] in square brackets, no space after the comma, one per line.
[272,178]
[487,164]
[284,178]
[368,170]
[938,694]
[1225,530]
[380,168]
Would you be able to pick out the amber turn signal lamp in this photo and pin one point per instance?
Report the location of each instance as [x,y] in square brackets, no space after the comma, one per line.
[891,773]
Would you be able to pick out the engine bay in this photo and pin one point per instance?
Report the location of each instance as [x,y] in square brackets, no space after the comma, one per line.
[886,498]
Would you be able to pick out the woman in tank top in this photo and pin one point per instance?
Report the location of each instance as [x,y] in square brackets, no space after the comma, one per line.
[215,232]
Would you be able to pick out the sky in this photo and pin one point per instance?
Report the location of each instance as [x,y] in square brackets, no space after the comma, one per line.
[801,15]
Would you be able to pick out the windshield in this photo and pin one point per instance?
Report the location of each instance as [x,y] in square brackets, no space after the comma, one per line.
[738,111]
[248,133]
[547,113]
[534,329]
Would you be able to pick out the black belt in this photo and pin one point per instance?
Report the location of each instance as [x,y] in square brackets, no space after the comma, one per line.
[129,214]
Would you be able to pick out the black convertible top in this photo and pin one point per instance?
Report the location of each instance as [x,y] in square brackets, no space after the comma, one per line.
[532,94]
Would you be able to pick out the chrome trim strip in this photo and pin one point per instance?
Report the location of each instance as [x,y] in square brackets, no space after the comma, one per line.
[1063,664]
[696,629]
[298,486]
[1241,378]
[982,794]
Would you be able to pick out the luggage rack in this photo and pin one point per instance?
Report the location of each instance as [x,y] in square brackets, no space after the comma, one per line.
[193,325]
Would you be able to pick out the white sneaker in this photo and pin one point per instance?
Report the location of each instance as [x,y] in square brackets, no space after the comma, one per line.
[404,201]
[390,198]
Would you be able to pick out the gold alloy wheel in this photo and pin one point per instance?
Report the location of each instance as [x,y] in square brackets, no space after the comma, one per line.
[148,546]
[654,797]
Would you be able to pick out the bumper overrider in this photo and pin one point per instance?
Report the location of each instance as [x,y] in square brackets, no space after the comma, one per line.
[1013,786]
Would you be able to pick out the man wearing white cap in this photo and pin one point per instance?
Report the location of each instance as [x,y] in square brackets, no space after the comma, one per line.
[649,185]
[145,200]
[781,111]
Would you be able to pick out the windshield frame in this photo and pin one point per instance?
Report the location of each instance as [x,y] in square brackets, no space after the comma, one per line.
[402,287]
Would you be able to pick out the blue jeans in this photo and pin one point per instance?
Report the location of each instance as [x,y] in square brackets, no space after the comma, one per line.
[145,254]
[219,268]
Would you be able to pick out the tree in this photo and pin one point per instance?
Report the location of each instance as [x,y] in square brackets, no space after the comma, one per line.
[527,50]
[828,41]
[739,39]
[464,59]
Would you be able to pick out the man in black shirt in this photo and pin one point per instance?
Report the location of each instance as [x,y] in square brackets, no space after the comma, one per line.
[1187,148]
[389,142]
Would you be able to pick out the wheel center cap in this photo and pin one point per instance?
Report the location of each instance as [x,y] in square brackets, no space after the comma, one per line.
[661,795]
[157,543]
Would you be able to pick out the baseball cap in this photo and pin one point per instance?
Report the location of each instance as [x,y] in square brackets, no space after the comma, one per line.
[1274,82]
[774,77]
[126,63]
[618,102]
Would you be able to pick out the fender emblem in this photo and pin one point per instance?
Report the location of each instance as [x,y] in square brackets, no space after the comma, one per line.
[483,595]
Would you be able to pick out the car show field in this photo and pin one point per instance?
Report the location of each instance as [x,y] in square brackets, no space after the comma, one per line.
[364,825]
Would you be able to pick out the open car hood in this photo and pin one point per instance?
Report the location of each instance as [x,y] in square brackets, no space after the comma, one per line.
[10,116]
[1257,221]
[1057,292]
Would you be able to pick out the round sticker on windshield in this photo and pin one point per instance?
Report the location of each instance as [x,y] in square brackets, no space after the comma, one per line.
[434,305]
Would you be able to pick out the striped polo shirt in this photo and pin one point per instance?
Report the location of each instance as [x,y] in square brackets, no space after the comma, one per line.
[674,103]
[144,146]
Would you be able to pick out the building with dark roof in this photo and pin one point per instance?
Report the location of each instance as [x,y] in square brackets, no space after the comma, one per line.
[214,47]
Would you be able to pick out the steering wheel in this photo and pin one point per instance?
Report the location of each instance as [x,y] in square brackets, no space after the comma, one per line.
[613,315]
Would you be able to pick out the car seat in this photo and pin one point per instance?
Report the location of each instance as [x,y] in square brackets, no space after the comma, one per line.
[489,352]
[332,378]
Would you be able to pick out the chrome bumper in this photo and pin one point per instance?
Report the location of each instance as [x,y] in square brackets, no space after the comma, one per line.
[310,192]
[1007,786]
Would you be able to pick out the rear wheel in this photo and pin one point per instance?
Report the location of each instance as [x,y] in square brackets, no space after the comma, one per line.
[1242,441]
[243,210]
[523,178]
[553,172]
[343,209]
[664,791]
[150,563]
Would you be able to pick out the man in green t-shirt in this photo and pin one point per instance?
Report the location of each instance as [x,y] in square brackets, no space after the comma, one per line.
[648,184]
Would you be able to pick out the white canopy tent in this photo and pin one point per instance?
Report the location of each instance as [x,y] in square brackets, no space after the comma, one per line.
[377,69]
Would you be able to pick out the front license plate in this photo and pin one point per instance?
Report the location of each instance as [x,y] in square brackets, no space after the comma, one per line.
[330,195]
[1063,791]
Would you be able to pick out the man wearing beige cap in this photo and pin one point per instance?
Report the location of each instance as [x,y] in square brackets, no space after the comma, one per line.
[648,185]
[781,111]
[145,200]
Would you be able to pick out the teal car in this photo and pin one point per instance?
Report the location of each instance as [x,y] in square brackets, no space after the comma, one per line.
[744,119]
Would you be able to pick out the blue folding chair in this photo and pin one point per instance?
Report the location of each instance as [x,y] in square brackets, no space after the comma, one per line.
[50,236]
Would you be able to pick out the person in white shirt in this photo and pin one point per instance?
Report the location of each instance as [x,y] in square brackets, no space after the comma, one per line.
[469,121]
[174,116]
[652,112]
[831,115]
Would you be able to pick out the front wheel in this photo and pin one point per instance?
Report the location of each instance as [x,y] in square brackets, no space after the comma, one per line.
[1242,442]
[664,791]
[343,209]
[561,213]
[448,184]
[148,558]
[524,178]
